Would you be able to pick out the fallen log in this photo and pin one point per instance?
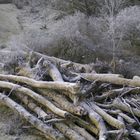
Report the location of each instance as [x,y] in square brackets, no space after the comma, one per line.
[97,120]
[96,76]
[110,78]
[48,132]
[63,63]
[108,118]
[63,102]
[117,103]
[53,71]
[80,122]
[96,112]
[64,86]
[28,72]
[56,76]
[35,96]
[32,106]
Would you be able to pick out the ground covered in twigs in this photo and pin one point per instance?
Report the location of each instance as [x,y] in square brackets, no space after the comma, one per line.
[67,100]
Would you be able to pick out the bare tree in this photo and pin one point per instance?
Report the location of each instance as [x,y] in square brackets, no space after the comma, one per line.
[108,10]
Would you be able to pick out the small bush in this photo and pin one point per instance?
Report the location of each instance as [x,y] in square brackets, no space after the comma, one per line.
[97,34]
[128,23]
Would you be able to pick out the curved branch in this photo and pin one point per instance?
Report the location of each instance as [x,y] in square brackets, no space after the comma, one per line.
[73,88]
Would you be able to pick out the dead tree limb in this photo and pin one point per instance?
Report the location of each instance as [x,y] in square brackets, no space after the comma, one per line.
[95,76]
[53,71]
[97,120]
[64,86]
[31,105]
[63,63]
[111,79]
[128,119]
[48,131]
[117,92]
[108,118]
[35,96]
[56,76]
[63,102]
[124,116]
[117,103]
[82,123]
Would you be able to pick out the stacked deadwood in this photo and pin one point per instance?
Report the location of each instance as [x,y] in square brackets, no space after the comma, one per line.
[66,100]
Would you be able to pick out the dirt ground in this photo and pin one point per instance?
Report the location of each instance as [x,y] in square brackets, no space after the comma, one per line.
[8,22]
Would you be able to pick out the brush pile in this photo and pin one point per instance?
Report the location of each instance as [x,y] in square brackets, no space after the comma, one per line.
[67,100]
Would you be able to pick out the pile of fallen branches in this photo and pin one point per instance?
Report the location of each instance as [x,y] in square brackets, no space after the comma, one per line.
[67,100]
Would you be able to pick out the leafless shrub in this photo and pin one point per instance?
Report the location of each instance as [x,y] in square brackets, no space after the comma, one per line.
[68,34]
[128,22]
[69,27]
[116,25]
[111,29]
